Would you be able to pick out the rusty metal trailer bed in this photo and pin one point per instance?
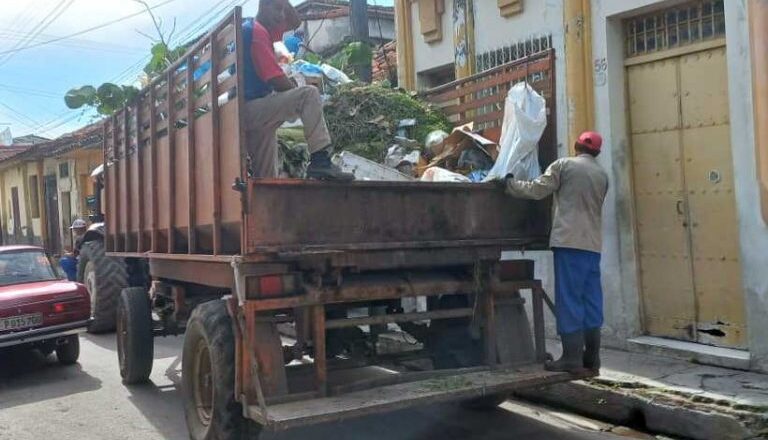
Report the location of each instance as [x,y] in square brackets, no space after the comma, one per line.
[230,259]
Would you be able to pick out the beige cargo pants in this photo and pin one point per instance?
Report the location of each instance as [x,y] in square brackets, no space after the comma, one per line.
[263,116]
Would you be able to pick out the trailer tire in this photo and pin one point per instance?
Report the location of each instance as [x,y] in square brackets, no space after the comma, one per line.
[135,342]
[105,277]
[208,377]
[68,351]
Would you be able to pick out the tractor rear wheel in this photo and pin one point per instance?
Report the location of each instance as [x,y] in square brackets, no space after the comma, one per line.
[104,277]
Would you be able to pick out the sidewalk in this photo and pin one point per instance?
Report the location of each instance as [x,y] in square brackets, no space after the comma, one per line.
[667,396]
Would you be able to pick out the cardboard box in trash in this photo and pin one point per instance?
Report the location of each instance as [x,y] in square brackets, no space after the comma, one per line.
[461,139]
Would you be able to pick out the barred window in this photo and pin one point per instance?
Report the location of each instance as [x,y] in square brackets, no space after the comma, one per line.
[679,26]
[496,57]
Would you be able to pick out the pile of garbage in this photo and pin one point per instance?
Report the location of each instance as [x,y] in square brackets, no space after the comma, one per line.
[463,155]
[368,119]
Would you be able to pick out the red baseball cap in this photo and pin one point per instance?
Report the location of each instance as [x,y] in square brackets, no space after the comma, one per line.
[591,140]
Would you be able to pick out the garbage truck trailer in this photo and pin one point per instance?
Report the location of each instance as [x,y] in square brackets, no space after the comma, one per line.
[305,301]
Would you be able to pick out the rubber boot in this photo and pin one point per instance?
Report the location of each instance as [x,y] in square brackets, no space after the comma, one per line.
[592,350]
[573,354]
[321,168]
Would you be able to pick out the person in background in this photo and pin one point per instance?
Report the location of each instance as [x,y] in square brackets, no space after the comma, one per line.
[272,98]
[79,228]
[294,42]
[579,184]
[68,263]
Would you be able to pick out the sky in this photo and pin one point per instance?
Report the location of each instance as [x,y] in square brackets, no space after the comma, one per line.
[35,72]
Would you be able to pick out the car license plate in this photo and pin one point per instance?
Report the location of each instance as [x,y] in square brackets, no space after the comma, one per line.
[20,322]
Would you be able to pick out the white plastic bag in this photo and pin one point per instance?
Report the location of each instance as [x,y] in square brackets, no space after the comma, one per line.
[525,117]
[334,74]
[437,174]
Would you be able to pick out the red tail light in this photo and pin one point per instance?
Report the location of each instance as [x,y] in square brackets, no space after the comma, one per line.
[273,286]
[270,286]
[60,308]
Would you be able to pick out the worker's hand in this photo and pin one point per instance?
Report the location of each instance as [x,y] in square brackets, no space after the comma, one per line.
[502,182]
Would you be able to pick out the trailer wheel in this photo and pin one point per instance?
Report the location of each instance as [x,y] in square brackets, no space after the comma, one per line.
[68,351]
[135,343]
[105,277]
[208,377]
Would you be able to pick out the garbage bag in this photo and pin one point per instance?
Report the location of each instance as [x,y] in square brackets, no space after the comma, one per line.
[525,117]
[434,139]
[334,74]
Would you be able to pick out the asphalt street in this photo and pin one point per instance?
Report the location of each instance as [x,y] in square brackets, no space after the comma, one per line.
[40,399]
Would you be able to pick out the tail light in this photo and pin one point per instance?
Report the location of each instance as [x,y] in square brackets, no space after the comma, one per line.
[273,286]
[65,306]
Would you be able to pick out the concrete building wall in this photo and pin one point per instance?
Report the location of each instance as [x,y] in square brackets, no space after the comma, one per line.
[620,265]
[328,34]
[17,177]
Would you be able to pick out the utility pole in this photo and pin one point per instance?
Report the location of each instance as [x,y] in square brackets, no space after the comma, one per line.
[359,21]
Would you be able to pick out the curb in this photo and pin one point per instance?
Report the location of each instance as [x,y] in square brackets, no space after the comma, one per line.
[656,410]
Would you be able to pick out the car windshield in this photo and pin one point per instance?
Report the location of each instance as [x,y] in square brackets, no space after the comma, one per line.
[25,267]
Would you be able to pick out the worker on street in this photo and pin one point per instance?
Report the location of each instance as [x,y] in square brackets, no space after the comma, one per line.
[68,261]
[79,228]
[272,98]
[579,185]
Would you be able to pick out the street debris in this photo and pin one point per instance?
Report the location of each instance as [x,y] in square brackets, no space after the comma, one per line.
[365,169]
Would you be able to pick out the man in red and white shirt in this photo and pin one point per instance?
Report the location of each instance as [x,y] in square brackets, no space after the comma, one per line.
[272,98]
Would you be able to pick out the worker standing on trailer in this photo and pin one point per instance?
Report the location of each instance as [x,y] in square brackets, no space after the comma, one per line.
[272,98]
[579,184]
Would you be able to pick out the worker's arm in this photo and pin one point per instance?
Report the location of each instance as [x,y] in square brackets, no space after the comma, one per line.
[292,20]
[539,187]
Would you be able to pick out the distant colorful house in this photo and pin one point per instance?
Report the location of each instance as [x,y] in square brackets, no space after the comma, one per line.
[45,185]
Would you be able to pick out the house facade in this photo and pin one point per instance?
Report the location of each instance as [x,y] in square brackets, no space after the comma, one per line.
[326,24]
[674,87]
[46,186]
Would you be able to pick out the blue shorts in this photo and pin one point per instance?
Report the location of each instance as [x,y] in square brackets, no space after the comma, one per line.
[578,293]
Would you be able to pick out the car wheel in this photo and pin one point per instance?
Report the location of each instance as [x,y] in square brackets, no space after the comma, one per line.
[68,350]
[104,277]
[135,341]
[208,377]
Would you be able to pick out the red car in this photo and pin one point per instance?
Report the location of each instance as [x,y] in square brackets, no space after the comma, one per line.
[38,309]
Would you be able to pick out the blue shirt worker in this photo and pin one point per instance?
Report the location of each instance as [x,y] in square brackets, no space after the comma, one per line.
[272,98]
[579,185]
[68,263]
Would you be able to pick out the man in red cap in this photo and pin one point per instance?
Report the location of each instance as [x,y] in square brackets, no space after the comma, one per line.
[579,184]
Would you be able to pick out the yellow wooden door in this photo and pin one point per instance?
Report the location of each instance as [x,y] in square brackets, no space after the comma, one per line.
[666,278]
[686,216]
[708,174]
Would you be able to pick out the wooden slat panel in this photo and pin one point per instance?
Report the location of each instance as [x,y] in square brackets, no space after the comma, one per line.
[192,189]
[216,153]
[203,170]
[477,103]
[228,83]
[227,61]
[204,78]
[513,74]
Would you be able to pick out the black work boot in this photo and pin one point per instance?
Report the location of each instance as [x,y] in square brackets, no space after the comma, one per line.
[573,353]
[592,350]
[321,168]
